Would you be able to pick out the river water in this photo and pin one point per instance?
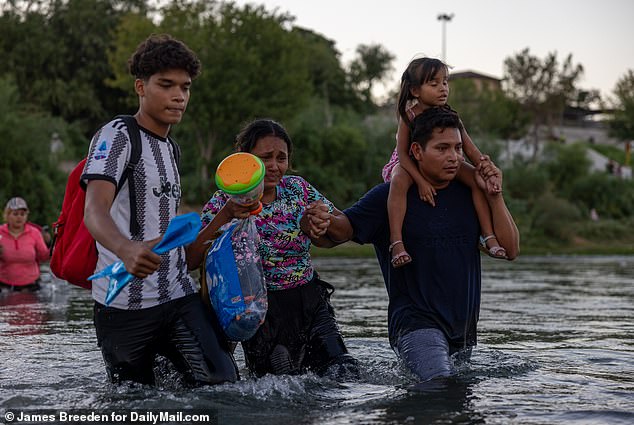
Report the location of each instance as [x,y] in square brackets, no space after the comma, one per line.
[556,346]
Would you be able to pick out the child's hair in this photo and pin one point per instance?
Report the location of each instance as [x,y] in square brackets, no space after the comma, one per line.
[436,117]
[418,72]
[258,129]
[161,52]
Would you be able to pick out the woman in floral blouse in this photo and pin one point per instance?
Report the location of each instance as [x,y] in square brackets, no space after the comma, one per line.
[300,332]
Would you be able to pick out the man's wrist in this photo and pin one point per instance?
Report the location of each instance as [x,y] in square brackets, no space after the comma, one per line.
[335,241]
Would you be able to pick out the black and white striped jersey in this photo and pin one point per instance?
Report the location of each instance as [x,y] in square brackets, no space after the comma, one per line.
[157,194]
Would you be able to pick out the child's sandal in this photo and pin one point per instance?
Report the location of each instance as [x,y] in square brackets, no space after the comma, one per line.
[402,258]
[495,251]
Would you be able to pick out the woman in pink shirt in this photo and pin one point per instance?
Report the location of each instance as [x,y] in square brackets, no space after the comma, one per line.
[22,249]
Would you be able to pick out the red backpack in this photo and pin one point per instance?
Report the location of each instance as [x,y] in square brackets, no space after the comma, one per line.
[74,251]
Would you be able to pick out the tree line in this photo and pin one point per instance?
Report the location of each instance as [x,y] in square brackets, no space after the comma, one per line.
[64,74]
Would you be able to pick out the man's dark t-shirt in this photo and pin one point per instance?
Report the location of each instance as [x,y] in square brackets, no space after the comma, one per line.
[440,288]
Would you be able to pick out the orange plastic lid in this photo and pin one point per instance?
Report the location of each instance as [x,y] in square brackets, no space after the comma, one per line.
[239,173]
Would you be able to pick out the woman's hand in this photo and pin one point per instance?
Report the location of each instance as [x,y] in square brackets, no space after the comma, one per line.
[315,220]
[195,251]
[234,210]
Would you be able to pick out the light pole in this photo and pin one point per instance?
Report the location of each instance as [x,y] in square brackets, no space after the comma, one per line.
[444,18]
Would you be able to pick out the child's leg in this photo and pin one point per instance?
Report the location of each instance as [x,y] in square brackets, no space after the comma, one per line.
[396,208]
[489,242]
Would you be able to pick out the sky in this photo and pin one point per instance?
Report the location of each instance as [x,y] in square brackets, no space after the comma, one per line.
[482,33]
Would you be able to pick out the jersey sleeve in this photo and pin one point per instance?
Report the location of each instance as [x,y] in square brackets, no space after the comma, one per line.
[368,216]
[109,153]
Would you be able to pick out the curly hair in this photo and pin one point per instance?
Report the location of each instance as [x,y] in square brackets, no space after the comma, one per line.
[162,52]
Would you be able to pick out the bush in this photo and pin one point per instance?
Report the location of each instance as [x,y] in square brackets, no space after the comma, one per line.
[610,196]
[566,164]
[555,217]
[605,230]
[526,181]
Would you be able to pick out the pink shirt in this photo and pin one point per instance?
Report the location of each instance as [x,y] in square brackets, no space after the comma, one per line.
[20,258]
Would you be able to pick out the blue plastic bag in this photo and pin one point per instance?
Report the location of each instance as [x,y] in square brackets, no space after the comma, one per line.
[235,280]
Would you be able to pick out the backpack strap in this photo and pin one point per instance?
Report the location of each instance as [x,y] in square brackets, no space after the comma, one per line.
[128,173]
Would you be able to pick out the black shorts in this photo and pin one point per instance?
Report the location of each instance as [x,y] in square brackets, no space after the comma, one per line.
[299,333]
[181,330]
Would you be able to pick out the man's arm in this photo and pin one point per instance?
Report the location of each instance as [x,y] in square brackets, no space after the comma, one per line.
[504,226]
[326,230]
[137,257]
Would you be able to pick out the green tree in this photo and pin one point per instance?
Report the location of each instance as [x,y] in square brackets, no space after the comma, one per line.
[543,87]
[488,112]
[56,52]
[132,29]
[332,158]
[622,124]
[329,80]
[253,66]
[372,64]
[28,168]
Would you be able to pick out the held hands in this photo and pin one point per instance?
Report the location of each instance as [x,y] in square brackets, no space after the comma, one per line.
[316,220]
[488,176]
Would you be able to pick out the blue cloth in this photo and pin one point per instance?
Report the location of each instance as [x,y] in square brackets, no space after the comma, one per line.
[181,230]
[440,288]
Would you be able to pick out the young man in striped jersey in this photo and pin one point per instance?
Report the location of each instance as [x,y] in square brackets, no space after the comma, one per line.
[159,311]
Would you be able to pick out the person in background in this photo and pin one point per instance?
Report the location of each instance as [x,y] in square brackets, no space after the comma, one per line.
[160,311]
[22,249]
[300,332]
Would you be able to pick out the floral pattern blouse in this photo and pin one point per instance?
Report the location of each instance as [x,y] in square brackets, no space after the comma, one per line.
[284,248]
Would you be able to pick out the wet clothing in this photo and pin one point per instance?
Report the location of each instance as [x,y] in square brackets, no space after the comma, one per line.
[426,353]
[440,288]
[299,333]
[181,330]
[284,248]
[21,257]
[157,192]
